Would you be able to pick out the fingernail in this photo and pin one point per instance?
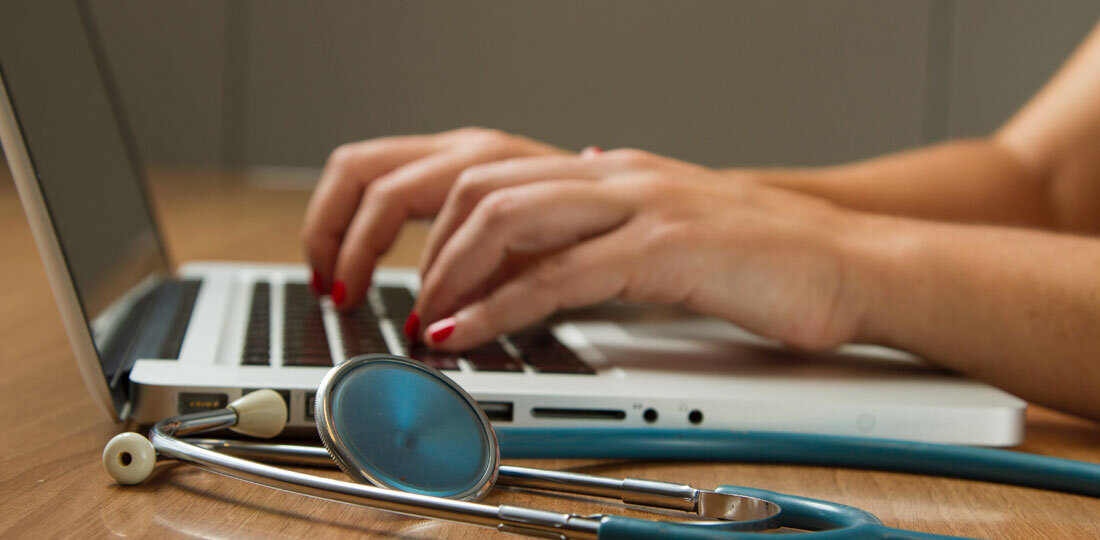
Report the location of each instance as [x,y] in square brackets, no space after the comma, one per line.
[412,326]
[591,151]
[441,330]
[316,285]
[339,293]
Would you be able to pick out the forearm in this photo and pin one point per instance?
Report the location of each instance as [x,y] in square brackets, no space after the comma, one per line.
[1019,309]
[967,181]
[1041,169]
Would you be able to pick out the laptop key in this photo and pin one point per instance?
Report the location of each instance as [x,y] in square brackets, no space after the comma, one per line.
[256,360]
[360,333]
[308,360]
[257,340]
[304,340]
[492,357]
[398,302]
[545,354]
[438,359]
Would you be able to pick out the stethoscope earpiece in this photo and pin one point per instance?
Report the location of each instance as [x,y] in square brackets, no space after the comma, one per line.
[129,458]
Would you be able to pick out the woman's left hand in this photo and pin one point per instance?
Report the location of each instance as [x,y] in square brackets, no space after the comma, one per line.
[634,226]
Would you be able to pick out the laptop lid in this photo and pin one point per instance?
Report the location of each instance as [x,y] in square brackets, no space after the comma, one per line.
[76,172]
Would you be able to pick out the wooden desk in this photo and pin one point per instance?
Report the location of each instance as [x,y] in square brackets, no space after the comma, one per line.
[52,484]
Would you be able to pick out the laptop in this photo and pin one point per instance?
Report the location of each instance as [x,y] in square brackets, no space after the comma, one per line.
[154,340]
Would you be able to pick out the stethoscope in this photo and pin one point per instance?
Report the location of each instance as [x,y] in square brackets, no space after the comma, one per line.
[430,451]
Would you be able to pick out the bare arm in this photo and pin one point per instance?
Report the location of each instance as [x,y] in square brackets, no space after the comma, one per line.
[1017,308]
[1042,169]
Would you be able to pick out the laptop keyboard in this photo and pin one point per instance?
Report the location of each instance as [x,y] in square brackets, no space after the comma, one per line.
[305,342]
[304,339]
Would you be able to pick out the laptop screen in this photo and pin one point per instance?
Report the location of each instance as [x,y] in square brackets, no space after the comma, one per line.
[56,80]
[54,73]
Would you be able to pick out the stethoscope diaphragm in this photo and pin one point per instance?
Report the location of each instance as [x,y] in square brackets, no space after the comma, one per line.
[397,423]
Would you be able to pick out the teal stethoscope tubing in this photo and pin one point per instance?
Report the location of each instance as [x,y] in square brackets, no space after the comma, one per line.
[823,520]
[826,519]
[990,465]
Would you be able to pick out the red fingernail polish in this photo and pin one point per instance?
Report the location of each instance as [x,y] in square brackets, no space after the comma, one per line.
[441,330]
[339,293]
[412,326]
[316,285]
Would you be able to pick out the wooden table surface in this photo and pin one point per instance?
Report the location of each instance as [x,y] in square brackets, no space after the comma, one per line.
[52,483]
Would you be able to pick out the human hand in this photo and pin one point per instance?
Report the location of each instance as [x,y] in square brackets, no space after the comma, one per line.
[368,189]
[638,227]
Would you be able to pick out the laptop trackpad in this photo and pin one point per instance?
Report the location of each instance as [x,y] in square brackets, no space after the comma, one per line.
[670,339]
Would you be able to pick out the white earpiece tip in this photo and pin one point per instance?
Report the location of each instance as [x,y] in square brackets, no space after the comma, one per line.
[129,458]
[260,414]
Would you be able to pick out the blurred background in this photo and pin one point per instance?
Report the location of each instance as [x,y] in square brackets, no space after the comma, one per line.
[275,85]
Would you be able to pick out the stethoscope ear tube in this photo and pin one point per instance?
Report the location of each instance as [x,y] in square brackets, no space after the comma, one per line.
[985,464]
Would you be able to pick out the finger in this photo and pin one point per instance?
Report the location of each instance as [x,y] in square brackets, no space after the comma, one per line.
[348,172]
[477,182]
[591,151]
[591,272]
[527,219]
[413,190]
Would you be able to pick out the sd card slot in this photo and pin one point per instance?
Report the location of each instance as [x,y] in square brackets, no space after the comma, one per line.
[578,414]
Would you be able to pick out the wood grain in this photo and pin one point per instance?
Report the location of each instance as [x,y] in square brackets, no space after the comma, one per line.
[52,484]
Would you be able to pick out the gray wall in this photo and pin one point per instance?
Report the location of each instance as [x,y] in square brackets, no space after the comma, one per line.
[232,83]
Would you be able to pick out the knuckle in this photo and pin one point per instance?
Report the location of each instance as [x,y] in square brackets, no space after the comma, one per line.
[312,235]
[306,235]
[342,156]
[490,313]
[497,208]
[385,193]
[315,250]
[551,273]
[467,131]
[631,157]
[470,186]
[650,189]
[491,143]
[668,232]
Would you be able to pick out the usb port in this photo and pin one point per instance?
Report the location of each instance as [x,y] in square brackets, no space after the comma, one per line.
[497,411]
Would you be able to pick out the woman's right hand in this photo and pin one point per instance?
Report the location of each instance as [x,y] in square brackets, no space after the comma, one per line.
[368,189]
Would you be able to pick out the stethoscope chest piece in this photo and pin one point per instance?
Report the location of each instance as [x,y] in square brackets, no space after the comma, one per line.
[396,423]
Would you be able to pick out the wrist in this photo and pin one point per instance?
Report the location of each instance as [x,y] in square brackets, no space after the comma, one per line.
[881,274]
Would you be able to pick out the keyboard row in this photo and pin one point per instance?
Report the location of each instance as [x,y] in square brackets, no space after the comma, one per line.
[305,342]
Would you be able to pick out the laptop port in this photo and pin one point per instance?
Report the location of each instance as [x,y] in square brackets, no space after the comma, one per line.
[497,411]
[190,402]
[578,414]
[695,417]
[310,402]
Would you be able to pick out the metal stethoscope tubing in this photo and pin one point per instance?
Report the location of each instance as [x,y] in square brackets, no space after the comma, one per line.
[165,440]
[665,495]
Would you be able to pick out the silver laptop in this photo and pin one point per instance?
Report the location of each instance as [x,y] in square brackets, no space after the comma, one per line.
[152,340]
